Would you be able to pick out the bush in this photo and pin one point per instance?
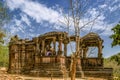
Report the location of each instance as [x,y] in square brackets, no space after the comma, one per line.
[4,57]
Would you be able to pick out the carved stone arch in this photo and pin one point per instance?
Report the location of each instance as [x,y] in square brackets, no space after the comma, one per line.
[92,40]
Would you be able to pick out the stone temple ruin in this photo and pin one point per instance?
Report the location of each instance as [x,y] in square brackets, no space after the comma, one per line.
[46,55]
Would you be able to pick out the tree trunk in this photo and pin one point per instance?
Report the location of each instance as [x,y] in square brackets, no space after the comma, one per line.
[73,69]
[73,76]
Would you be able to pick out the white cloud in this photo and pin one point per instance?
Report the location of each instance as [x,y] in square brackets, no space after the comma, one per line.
[113,8]
[99,25]
[40,13]
[13,30]
[24,18]
[13,4]
[103,6]
[17,22]
[16,26]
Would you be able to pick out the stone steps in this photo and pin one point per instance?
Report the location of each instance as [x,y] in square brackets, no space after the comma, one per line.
[46,73]
[47,70]
[96,74]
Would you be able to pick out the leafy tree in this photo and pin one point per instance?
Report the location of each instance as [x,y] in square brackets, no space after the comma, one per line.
[2,34]
[4,18]
[116,58]
[116,35]
[3,21]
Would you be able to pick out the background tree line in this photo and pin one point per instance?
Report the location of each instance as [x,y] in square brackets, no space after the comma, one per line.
[3,48]
[113,62]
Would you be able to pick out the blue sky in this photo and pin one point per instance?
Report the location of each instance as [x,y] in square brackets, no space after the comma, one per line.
[30,18]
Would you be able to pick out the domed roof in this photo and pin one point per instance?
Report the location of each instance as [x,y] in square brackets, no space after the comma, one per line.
[91,39]
[90,36]
[53,33]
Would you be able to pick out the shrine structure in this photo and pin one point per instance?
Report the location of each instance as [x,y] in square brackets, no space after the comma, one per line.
[46,55]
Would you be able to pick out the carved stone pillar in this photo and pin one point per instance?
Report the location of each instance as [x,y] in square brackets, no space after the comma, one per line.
[19,57]
[100,49]
[65,49]
[36,52]
[10,53]
[85,52]
[60,47]
[37,49]
[54,46]
[43,47]
[23,54]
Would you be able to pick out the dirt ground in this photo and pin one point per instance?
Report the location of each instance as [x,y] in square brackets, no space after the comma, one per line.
[22,77]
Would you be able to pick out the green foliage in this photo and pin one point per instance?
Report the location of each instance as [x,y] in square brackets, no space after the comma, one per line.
[4,18]
[2,35]
[116,58]
[4,57]
[113,62]
[116,35]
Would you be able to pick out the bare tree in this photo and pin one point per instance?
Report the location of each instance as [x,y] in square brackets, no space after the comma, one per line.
[76,12]
[77,9]
[3,20]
